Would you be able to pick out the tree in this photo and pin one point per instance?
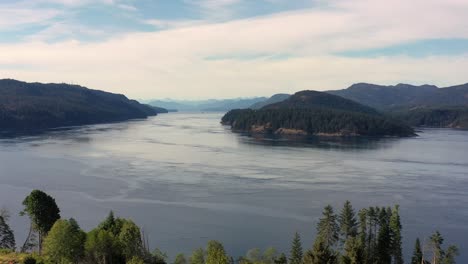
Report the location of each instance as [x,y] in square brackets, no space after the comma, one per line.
[435,244]
[269,255]
[215,253]
[363,235]
[395,229]
[353,251]
[180,259]
[295,256]
[254,255]
[281,259]
[197,257]
[136,260]
[347,222]
[417,253]
[65,242]
[100,246]
[450,255]
[7,238]
[42,211]
[159,257]
[384,246]
[327,227]
[130,240]
[320,253]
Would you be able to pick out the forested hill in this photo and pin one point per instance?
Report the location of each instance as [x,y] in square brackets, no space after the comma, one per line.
[316,113]
[405,95]
[35,106]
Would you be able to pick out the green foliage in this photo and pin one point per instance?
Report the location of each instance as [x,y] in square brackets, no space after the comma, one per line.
[347,222]
[327,228]
[417,253]
[33,106]
[295,256]
[29,260]
[180,259]
[65,242]
[7,237]
[281,259]
[454,117]
[136,260]
[269,255]
[130,240]
[396,238]
[197,257]
[320,253]
[159,257]
[101,246]
[43,212]
[215,253]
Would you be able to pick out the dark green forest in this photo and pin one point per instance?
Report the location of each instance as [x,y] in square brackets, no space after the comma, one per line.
[451,117]
[370,235]
[34,106]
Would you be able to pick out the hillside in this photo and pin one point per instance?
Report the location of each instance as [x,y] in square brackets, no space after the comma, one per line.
[34,106]
[274,99]
[405,95]
[215,105]
[447,117]
[315,113]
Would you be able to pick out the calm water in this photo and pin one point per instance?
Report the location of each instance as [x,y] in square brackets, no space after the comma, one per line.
[186,179]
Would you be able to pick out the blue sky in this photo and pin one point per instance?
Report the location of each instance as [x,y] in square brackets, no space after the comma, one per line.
[230,48]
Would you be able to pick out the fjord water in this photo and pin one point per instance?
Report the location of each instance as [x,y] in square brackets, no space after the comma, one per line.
[186,179]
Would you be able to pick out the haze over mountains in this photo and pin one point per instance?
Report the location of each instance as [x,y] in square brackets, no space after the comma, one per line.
[206,105]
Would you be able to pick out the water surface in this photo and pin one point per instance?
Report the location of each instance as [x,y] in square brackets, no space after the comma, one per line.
[186,179]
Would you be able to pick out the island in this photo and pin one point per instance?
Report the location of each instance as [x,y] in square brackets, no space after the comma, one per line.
[316,113]
[26,107]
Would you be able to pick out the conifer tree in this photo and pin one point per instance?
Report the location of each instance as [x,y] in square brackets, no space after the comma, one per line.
[320,253]
[363,235]
[327,227]
[384,249]
[417,253]
[347,221]
[296,250]
[7,238]
[395,229]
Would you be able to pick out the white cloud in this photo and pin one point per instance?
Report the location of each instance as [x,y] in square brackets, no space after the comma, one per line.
[172,62]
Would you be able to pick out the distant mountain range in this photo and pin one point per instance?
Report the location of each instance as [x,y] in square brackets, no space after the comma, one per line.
[405,95]
[35,106]
[274,99]
[206,105]
[316,113]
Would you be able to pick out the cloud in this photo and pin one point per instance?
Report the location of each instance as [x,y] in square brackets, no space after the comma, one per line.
[175,62]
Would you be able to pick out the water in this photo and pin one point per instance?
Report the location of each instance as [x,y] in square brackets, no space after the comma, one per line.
[186,179]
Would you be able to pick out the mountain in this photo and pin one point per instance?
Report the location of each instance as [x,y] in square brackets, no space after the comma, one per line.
[447,117]
[207,105]
[316,113]
[405,95]
[274,99]
[35,106]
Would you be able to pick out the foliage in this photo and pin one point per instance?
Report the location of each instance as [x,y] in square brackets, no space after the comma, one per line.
[29,260]
[347,222]
[32,106]
[43,212]
[197,257]
[327,228]
[65,242]
[417,253]
[7,237]
[180,259]
[296,254]
[215,253]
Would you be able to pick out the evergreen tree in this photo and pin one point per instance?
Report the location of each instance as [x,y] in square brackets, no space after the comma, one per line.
[395,228]
[384,248]
[435,242]
[363,235]
[7,238]
[295,256]
[450,255]
[320,253]
[327,227]
[353,251]
[347,221]
[254,255]
[281,259]
[417,253]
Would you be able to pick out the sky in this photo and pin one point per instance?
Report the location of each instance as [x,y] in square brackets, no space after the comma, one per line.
[198,49]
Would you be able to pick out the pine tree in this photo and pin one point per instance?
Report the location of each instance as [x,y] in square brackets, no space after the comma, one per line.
[436,241]
[417,253]
[395,229]
[347,221]
[363,235]
[327,227]
[7,238]
[296,250]
[384,249]
[450,254]
[353,251]
[320,254]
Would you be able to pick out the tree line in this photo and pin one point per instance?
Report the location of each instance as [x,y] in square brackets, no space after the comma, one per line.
[372,235]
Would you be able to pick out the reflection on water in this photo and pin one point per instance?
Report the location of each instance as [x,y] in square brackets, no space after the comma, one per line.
[186,178]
